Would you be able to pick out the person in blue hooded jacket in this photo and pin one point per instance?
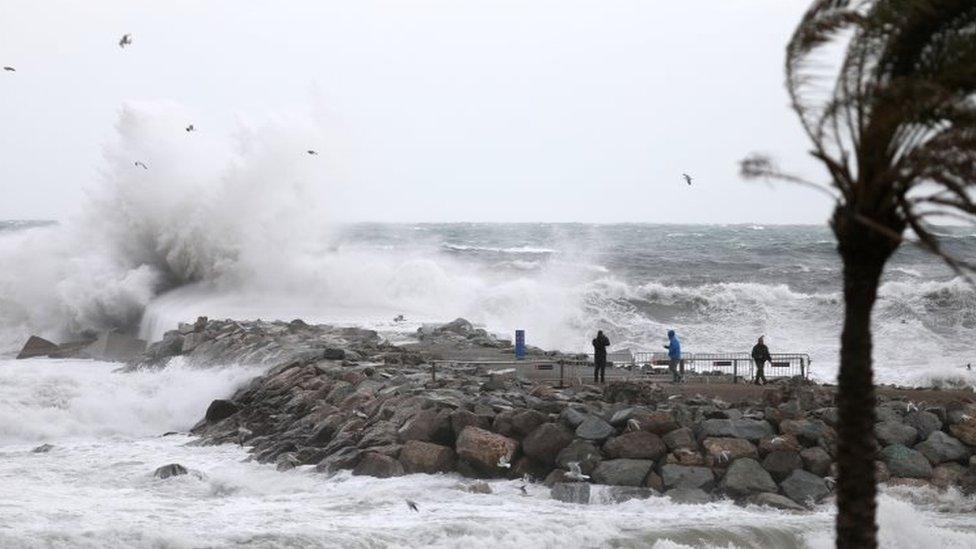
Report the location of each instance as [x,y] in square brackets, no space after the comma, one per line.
[674,357]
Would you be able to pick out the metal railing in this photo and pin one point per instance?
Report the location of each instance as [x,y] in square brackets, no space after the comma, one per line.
[697,367]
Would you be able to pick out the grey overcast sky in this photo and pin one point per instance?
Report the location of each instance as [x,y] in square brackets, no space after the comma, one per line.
[448,110]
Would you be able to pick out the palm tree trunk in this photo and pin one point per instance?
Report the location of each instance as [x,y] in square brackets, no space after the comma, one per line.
[856,448]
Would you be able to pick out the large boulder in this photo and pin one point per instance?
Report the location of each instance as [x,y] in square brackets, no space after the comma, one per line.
[171,470]
[462,418]
[428,425]
[378,465]
[37,346]
[526,421]
[725,450]
[775,501]
[893,432]
[750,429]
[220,409]
[804,487]
[622,472]
[941,447]
[947,474]
[483,449]
[546,441]
[745,477]
[781,463]
[571,492]
[659,422]
[809,432]
[816,460]
[595,428]
[683,476]
[924,422]
[426,457]
[572,417]
[582,452]
[905,462]
[682,437]
[965,430]
[635,445]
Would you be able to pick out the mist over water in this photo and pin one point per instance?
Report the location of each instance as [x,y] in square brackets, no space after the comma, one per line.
[242,228]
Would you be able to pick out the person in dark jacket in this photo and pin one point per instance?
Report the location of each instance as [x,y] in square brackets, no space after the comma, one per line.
[674,357]
[600,344]
[760,354]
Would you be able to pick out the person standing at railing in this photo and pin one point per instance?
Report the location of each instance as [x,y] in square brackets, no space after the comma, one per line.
[760,354]
[600,344]
[674,356]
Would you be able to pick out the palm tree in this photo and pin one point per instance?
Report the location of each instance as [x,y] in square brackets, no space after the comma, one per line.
[886,92]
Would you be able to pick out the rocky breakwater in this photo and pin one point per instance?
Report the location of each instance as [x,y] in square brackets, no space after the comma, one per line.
[345,400]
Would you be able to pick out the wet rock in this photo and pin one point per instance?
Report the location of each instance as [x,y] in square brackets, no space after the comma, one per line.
[809,432]
[546,441]
[924,422]
[816,460]
[483,449]
[344,458]
[689,496]
[947,474]
[940,447]
[620,494]
[426,457]
[37,346]
[378,465]
[654,481]
[572,416]
[220,410]
[682,437]
[905,462]
[286,461]
[428,425]
[745,477]
[622,472]
[726,450]
[779,443]
[890,432]
[594,428]
[776,501]
[43,449]
[658,422]
[781,463]
[582,452]
[965,430]
[635,445]
[750,429]
[682,476]
[526,421]
[171,470]
[571,492]
[462,418]
[804,487]
[476,488]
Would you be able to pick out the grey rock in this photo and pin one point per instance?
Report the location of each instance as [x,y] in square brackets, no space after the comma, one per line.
[905,462]
[680,438]
[571,492]
[816,460]
[941,447]
[781,463]
[378,465]
[546,441]
[776,501]
[572,416]
[684,476]
[745,477]
[220,409]
[622,472]
[582,452]
[635,445]
[691,496]
[924,422]
[891,432]
[43,449]
[594,428]
[171,470]
[620,494]
[804,487]
[750,429]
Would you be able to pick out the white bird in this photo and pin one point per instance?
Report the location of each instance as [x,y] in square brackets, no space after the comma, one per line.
[830,482]
[725,456]
[673,397]
[412,506]
[687,178]
[965,417]
[575,473]
[141,165]
[910,407]
[125,41]
[242,434]
[633,425]
[360,415]
[777,440]
[504,462]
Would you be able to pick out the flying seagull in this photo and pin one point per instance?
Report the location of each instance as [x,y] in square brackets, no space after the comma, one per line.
[141,165]
[310,151]
[575,473]
[687,178]
[190,128]
[125,41]
[10,69]
[412,506]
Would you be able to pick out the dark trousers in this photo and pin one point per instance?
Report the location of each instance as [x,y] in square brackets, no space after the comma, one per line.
[599,369]
[760,371]
[673,364]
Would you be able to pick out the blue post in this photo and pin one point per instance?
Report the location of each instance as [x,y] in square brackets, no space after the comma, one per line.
[519,344]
